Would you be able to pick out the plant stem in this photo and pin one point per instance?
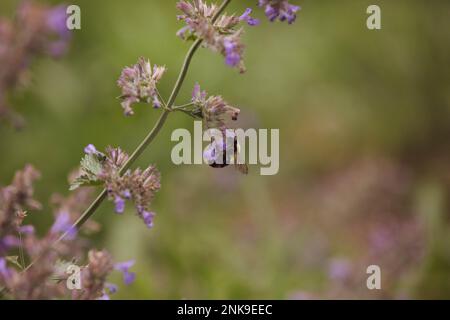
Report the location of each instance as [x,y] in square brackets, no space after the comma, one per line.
[151,135]
[183,106]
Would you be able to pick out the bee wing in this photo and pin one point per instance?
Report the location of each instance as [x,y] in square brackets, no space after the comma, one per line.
[242,168]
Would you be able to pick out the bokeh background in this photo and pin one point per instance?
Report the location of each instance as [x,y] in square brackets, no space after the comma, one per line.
[364,119]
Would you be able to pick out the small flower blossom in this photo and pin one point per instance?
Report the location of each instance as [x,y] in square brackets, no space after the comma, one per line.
[220,36]
[148,218]
[63,224]
[246,17]
[90,149]
[127,194]
[215,111]
[339,269]
[119,204]
[280,9]
[221,150]
[138,186]
[5,273]
[28,229]
[138,84]
[56,21]
[94,275]
[124,267]
[112,288]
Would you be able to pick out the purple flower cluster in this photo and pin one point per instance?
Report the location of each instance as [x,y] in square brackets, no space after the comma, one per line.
[279,9]
[50,257]
[219,36]
[138,84]
[214,110]
[138,186]
[15,199]
[94,276]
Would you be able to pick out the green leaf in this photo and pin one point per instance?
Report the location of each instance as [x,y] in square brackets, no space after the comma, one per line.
[91,166]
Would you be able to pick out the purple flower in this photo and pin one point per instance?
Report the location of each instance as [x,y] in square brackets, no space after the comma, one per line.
[56,21]
[4,271]
[138,84]
[112,288]
[215,110]
[63,224]
[119,204]
[209,155]
[90,149]
[280,9]
[339,269]
[27,229]
[128,277]
[148,216]
[232,55]
[246,17]
[198,17]
[221,149]
[8,242]
[197,94]
[156,103]
[127,194]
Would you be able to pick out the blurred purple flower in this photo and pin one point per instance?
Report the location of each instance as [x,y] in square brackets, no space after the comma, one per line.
[5,273]
[339,269]
[8,242]
[56,21]
[128,277]
[27,229]
[63,224]
[112,288]
[127,194]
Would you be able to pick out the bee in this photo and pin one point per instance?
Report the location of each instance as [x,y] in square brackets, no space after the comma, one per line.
[242,168]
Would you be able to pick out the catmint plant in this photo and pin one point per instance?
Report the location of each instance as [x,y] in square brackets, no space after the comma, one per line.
[36,272]
[46,278]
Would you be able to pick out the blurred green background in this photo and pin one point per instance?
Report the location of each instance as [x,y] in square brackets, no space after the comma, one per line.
[364,119]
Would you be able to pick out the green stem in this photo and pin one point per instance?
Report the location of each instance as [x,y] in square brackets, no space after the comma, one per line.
[183,106]
[150,137]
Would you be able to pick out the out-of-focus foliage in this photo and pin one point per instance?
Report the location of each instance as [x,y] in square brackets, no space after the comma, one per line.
[364,120]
